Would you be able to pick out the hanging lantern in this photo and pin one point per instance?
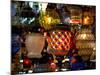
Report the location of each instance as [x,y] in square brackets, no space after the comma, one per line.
[85,42]
[76,15]
[49,19]
[59,41]
[88,15]
[87,18]
[34,43]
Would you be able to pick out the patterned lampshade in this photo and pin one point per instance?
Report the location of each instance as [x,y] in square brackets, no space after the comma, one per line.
[85,42]
[60,42]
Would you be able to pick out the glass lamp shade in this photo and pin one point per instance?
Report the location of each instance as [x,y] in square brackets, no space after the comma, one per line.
[49,19]
[87,18]
[85,42]
[76,15]
[34,43]
[60,42]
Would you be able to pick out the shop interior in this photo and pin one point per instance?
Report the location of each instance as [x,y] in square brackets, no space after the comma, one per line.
[52,37]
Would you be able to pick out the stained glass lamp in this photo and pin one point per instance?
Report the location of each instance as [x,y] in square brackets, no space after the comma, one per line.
[85,42]
[59,41]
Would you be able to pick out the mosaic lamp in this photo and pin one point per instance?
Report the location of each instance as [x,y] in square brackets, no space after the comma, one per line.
[48,18]
[85,42]
[59,41]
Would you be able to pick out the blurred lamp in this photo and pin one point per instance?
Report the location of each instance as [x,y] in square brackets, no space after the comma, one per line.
[59,41]
[87,18]
[76,15]
[85,42]
[34,43]
[49,19]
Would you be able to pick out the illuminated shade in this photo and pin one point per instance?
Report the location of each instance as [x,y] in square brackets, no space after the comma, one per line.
[76,15]
[49,19]
[34,44]
[87,18]
[59,42]
[89,14]
[85,42]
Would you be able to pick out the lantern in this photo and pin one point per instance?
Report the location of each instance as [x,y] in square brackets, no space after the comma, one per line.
[34,44]
[85,42]
[59,41]
[49,19]
[87,18]
[88,15]
[76,15]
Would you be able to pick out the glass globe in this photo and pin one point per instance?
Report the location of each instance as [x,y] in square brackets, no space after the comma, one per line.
[85,42]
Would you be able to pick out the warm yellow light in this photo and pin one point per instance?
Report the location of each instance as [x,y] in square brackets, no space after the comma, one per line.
[60,40]
[84,36]
[86,20]
[49,20]
[94,48]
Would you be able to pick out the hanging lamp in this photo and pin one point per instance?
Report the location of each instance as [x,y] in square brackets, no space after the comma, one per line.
[85,42]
